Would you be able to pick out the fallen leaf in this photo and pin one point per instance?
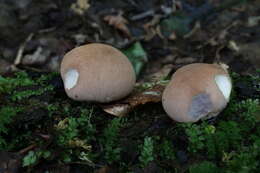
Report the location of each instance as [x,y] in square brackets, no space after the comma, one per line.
[253,21]
[118,22]
[78,143]
[123,107]
[178,25]
[233,45]
[161,74]
[38,57]
[150,28]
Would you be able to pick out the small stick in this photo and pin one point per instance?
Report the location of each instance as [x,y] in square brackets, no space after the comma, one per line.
[25,150]
[143,15]
[19,55]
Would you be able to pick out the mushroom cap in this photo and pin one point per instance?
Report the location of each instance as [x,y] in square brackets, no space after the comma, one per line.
[197,91]
[97,72]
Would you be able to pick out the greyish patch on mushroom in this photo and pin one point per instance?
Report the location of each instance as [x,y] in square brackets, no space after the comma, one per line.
[201,105]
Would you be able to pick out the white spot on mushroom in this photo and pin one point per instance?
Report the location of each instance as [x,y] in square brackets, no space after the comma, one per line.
[71,78]
[224,84]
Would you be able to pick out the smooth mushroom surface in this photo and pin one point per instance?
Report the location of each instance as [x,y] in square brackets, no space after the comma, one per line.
[97,72]
[197,91]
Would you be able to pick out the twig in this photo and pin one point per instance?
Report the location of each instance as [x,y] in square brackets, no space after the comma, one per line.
[47,30]
[194,30]
[143,15]
[19,55]
[25,150]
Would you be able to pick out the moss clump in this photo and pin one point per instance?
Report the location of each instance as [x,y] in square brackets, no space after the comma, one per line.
[35,110]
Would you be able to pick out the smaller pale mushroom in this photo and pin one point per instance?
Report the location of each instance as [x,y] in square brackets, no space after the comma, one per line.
[98,73]
[197,91]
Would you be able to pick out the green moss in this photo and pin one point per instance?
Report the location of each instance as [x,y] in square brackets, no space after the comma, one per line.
[76,132]
[12,86]
[166,150]
[6,117]
[110,141]
[147,152]
[204,167]
[82,133]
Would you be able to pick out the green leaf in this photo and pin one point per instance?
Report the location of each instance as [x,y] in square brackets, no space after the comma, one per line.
[46,154]
[179,24]
[137,56]
[30,159]
[182,24]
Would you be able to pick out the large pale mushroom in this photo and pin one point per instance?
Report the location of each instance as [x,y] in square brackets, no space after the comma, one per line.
[197,91]
[97,72]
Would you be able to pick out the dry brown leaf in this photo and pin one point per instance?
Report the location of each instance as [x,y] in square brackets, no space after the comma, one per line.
[118,22]
[78,143]
[149,27]
[38,57]
[123,107]
[161,74]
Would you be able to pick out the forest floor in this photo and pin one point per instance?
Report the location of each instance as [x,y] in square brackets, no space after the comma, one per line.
[42,130]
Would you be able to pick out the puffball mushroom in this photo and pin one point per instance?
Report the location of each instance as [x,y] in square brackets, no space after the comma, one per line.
[197,91]
[97,72]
